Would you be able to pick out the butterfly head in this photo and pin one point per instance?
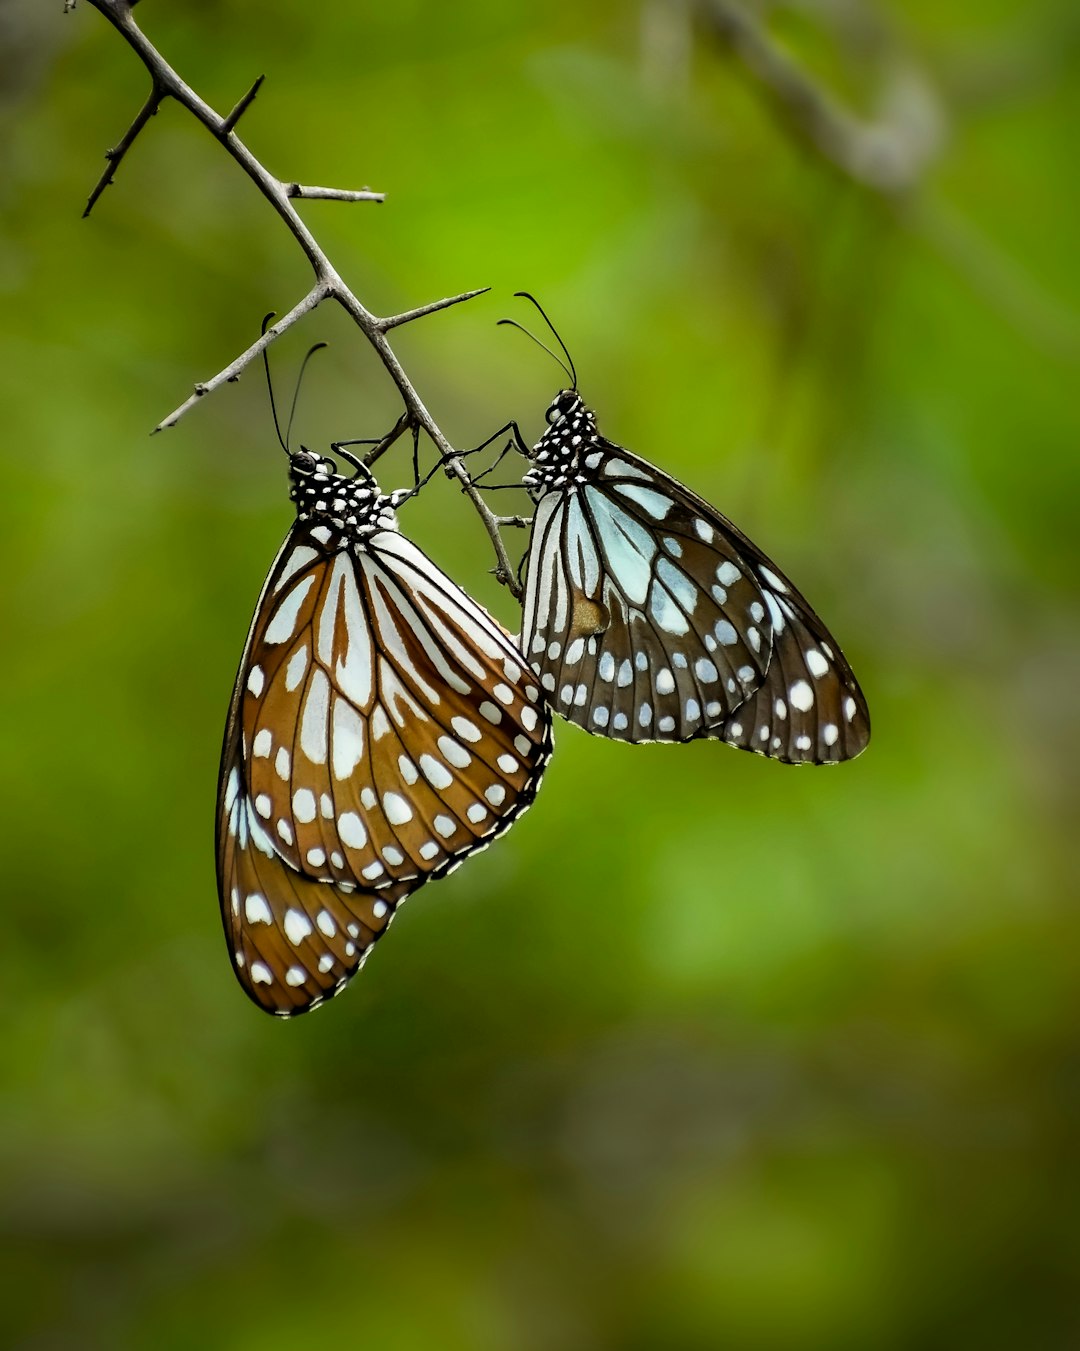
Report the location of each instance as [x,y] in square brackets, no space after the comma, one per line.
[557,457]
[353,503]
[565,404]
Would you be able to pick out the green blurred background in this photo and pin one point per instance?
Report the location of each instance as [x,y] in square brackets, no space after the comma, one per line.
[708,1053]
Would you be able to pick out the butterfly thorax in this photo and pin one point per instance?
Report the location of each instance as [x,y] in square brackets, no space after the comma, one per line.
[352,504]
[559,457]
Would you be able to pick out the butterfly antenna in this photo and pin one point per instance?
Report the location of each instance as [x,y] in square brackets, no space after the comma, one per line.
[270,386]
[296,392]
[524,295]
[554,355]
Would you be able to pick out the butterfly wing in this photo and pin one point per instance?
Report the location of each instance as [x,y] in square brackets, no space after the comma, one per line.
[295,941]
[384,728]
[809,710]
[650,617]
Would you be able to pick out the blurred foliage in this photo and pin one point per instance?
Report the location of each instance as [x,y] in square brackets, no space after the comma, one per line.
[707,1053]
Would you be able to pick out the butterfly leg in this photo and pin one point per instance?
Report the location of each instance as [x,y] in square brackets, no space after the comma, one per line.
[516,442]
[381,444]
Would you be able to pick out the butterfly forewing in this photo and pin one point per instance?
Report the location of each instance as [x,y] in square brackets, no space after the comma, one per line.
[629,597]
[649,616]
[392,726]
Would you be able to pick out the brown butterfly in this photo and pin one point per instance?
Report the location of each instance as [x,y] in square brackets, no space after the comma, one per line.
[383,728]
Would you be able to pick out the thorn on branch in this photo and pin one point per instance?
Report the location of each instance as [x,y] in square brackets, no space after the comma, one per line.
[396,320]
[242,107]
[117,153]
[302,190]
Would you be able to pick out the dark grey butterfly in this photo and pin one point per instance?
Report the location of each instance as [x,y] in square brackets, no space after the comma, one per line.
[648,616]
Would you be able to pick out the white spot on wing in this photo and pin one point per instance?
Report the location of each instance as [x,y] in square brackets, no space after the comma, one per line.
[256,910]
[347,739]
[297,926]
[455,752]
[801,696]
[294,672]
[300,557]
[436,773]
[772,579]
[816,662]
[313,723]
[725,633]
[396,808]
[464,728]
[304,805]
[283,624]
[351,829]
[656,504]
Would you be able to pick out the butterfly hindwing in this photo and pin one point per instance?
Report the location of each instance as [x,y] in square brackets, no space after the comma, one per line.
[295,941]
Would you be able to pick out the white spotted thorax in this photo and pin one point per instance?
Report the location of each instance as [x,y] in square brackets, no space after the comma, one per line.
[559,458]
[383,729]
[351,504]
[648,616]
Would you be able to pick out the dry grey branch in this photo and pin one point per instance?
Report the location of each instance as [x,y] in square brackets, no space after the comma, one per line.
[117,153]
[233,370]
[889,156]
[328,285]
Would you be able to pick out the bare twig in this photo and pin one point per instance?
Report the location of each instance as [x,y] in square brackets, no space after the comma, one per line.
[328,284]
[117,153]
[233,371]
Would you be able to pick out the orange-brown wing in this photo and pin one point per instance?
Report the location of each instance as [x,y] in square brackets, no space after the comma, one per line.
[295,941]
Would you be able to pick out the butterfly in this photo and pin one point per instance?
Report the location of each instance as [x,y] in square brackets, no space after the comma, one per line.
[383,728]
[649,616]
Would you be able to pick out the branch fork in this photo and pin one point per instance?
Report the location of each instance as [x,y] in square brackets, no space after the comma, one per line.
[327,285]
